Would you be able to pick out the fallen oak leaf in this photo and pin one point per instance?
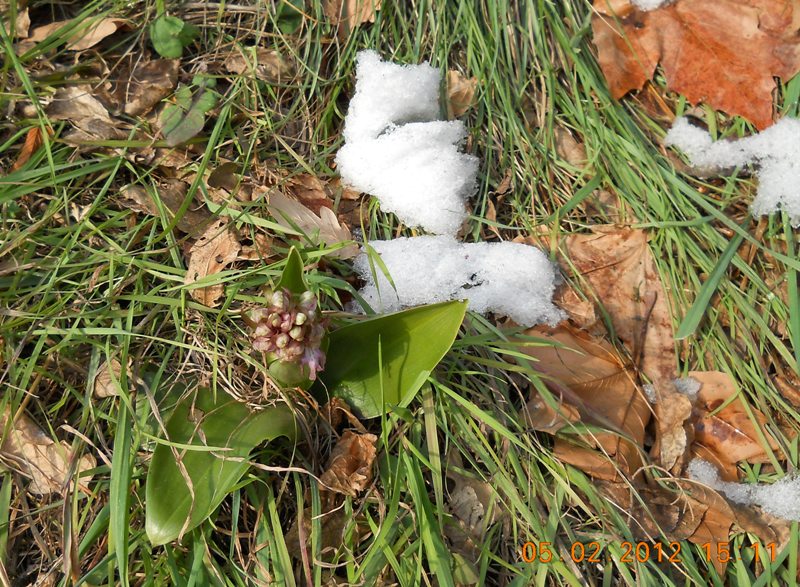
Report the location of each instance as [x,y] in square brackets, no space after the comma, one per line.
[699,46]
[76,104]
[171,193]
[324,227]
[607,396]
[22,23]
[310,191]
[214,250]
[26,448]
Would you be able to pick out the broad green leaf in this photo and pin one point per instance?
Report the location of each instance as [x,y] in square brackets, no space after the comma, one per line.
[187,116]
[292,276]
[383,361]
[170,35]
[225,431]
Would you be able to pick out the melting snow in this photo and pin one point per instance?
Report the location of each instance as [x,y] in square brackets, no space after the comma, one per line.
[512,279]
[775,152]
[781,499]
[398,150]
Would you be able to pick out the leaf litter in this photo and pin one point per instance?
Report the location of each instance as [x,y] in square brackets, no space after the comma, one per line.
[27,449]
[590,383]
[699,46]
[214,250]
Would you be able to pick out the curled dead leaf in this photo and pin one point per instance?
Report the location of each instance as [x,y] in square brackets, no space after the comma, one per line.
[349,468]
[214,250]
[171,193]
[723,425]
[26,448]
[568,148]
[33,140]
[460,93]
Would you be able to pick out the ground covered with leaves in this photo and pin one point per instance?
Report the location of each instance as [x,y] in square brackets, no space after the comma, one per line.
[165,167]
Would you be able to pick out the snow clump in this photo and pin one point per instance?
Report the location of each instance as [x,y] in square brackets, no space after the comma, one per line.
[775,151]
[781,499]
[511,279]
[397,148]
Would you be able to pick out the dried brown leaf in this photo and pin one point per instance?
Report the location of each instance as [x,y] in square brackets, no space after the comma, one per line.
[27,449]
[214,250]
[699,46]
[349,468]
[569,149]
[619,266]
[460,93]
[172,193]
[324,227]
[22,22]
[33,140]
[78,105]
[539,415]
[347,15]
[260,250]
[265,64]
[149,83]
[81,38]
[603,390]
[723,425]
[106,382]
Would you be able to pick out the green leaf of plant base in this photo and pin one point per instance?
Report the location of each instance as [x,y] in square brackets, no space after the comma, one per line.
[224,431]
[292,277]
[383,361]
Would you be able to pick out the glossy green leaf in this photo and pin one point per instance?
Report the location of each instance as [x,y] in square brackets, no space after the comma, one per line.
[225,431]
[170,35]
[292,276]
[384,361]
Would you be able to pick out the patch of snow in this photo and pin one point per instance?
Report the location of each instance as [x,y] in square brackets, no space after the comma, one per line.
[775,151]
[781,499]
[647,5]
[512,279]
[390,94]
[397,149]
[650,393]
[688,386]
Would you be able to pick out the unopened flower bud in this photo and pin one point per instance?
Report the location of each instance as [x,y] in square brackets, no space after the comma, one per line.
[300,319]
[282,340]
[278,301]
[296,333]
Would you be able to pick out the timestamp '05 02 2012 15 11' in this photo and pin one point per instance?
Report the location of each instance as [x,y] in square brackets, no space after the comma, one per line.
[641,552]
